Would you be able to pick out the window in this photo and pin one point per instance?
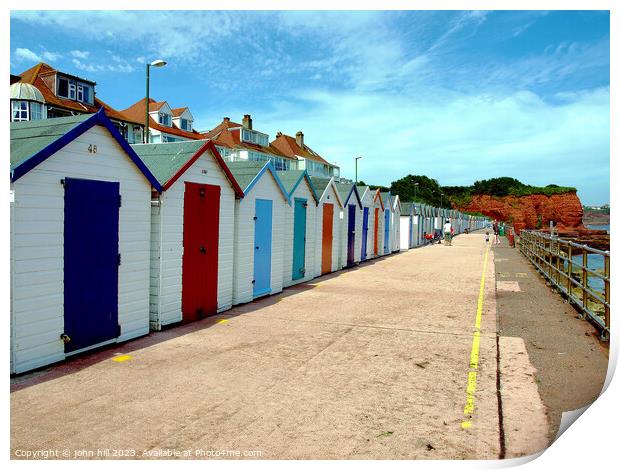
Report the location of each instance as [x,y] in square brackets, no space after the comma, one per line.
[86,94]
[137,134]
[36,111]
[80,93]
[19,111]
[155,139]
[255,137]
[63,87]
[72,90]
[164,119]
[186,125]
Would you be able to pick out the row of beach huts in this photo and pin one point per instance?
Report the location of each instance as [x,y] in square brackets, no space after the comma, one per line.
[110,241]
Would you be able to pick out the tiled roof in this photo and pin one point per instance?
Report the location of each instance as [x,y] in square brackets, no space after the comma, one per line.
[289,147]
[225,124]
[138,111]
[29,137]
[344,189]
[320,184]
[165,160]
[245,172]
[290,178]
[176,112]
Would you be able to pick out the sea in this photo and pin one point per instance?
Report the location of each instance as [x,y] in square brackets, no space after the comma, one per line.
[595,262]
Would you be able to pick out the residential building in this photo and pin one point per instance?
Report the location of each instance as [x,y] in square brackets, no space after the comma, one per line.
[240,142]
[42,92]
[166,124]
[307,159]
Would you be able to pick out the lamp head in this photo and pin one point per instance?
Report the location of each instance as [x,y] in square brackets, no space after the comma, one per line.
[158,63]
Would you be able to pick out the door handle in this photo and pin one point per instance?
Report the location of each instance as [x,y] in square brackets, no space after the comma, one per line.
[256,247]
[203,250]
[65,338]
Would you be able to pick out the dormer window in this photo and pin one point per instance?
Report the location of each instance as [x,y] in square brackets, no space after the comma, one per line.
[186,124]
[165,119]
[255,137]
[73,90]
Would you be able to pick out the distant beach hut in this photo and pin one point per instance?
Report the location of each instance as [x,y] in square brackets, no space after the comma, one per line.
[352,224]
[328,226]
[371,210]
[299,227]
[396,211]
[259,231]
[406,226]
[386,199]
[192,229]
[80,239]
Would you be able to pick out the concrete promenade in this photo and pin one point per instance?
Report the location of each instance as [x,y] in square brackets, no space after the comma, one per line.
[376,362]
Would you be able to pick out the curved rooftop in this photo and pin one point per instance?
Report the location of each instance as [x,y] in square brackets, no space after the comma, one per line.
[26,91]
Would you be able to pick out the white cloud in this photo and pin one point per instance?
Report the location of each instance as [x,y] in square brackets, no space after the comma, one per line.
[80,54]
[51,56]
[22,53]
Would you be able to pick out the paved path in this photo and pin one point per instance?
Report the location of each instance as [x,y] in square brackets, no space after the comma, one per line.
[371,362]
[570,360]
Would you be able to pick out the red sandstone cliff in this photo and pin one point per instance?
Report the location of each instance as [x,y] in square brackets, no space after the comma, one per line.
[523,211]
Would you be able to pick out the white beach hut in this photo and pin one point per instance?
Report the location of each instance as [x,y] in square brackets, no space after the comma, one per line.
[80,239]
[327,226]
[396,211]
[352,224]
[259,238]
[407,235]
[192,228]
[299,227]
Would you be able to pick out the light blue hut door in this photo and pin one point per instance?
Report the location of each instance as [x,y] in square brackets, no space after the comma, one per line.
[299,239]
[262,247]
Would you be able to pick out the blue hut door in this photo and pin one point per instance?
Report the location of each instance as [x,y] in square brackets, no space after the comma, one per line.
[262,247]
[351,236]
[299,239]
[386,239]
[365,234]
[91,261]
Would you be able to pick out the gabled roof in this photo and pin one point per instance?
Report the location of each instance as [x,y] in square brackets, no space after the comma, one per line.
[168,161]
[379,198]
[322,185]
[138,110]
[396,202]
[291,180]
[346,190]
[247,174]
[289,147]
[386,199]
[32,142]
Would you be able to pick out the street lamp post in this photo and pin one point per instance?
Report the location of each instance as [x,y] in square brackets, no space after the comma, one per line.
[415,191]
[155,63]
[356,159]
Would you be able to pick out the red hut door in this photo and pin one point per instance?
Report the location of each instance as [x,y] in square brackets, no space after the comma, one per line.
[201,217]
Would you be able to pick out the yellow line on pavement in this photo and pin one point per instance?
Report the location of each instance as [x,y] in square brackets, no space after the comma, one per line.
[472,377]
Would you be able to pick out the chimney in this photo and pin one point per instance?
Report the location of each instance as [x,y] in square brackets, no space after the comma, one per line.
[278,134]
[247,121]
[299,138]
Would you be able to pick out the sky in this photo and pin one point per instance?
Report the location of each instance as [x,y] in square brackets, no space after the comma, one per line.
[458,96]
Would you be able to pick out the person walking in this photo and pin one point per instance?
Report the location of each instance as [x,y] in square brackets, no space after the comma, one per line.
[495,232]
[447,233]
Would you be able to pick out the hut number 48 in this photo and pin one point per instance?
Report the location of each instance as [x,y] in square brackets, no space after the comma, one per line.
[92,148]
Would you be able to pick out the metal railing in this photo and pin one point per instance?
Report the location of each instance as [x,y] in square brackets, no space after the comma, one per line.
[565,264]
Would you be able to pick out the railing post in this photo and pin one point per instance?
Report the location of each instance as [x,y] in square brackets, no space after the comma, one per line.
[606,261]
[584,279]
[570,272]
